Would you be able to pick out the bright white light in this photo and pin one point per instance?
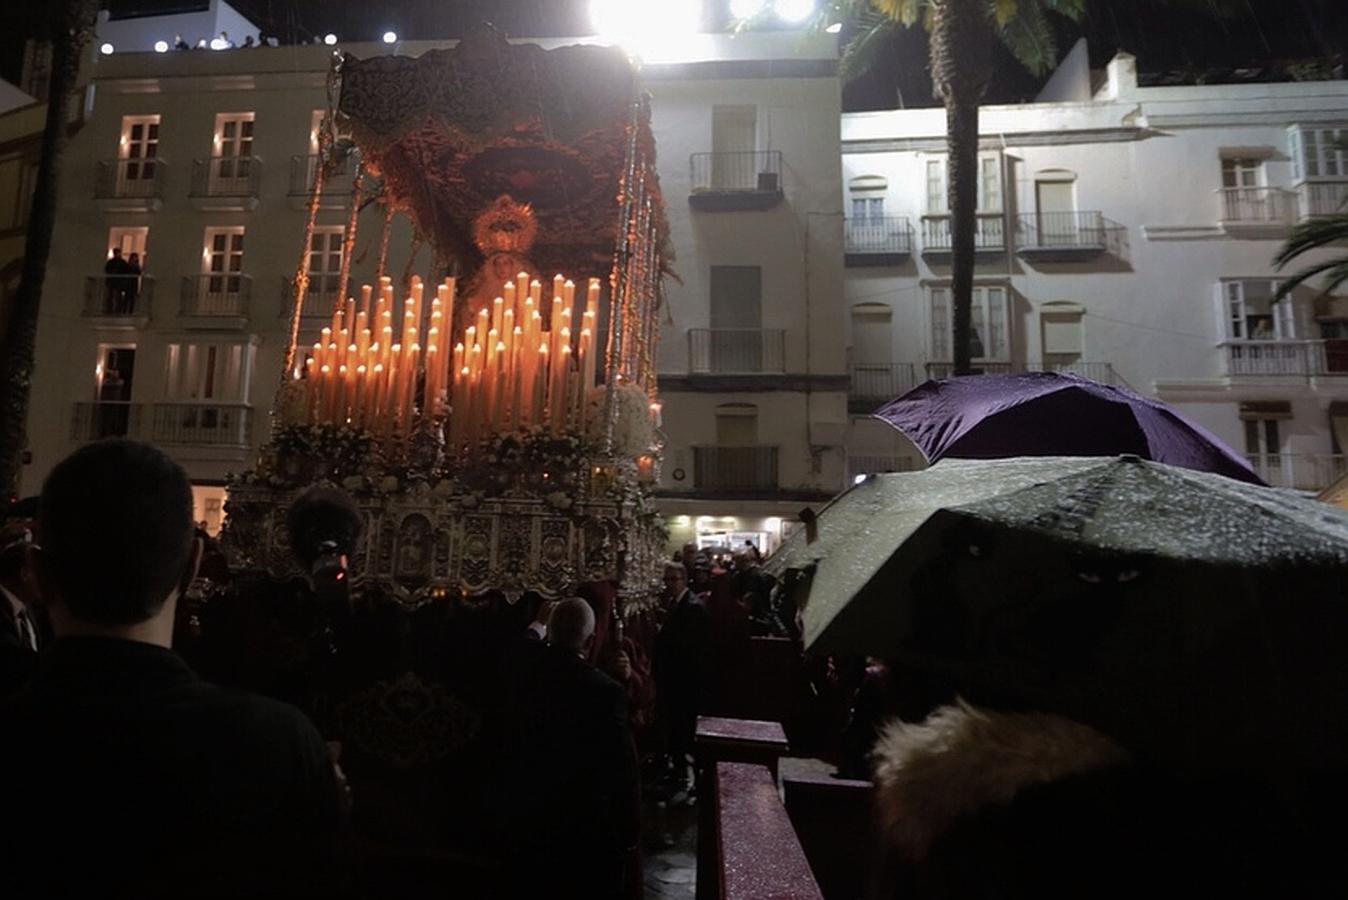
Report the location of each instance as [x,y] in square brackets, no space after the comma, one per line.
[859,479]
[645,28]
[746,9]
[681,520]
[161,46]
[219,44]
[106,49]
[834,28]
[794,10]
[390,37]
[773,523]
[329,39]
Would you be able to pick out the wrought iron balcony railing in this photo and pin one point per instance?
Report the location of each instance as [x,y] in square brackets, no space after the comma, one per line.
[104,419]
[989,233]
[226,176]
[887,235]
[130,179]
[1321,198]
[223,295]
[318,299]
[874,384]
[757,171]
[736,351]
[1303,471]
[1102,372]
[1294,358]
[1257,206]
[118,296]
[735,468]
[205,424]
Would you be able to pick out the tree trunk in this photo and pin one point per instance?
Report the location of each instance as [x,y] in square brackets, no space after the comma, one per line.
[73,29]
[961,40]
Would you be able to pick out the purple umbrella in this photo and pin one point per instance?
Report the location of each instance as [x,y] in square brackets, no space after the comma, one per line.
[1053,414]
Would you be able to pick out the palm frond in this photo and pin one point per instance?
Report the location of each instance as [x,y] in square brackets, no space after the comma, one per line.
[872,40]
[1335,272]
[1029,37]
[905,12]
[1311,235]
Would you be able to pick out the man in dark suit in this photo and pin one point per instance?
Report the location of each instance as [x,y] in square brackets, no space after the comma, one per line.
[682,669]
[571,767]
[138,777]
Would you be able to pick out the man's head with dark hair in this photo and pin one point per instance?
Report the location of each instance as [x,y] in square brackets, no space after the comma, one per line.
[117,539]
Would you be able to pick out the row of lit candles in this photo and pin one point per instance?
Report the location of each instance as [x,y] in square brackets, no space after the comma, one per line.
[518,366]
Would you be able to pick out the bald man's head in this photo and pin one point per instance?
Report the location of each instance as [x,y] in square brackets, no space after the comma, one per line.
[572,624]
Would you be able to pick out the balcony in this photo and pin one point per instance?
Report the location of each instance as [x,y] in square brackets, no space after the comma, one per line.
[104,419]
[1101,372]
[319,300]
[1302,471]
[735,181]
[215,301]
[989,234]
[130,185]
[226,183]
[1283,359]
[877,241]
[735,468]
[736,351]
[118,300]
[1067,236]
[874,384]
[202,424]
[1256,211]
[1321,198]
[336,183]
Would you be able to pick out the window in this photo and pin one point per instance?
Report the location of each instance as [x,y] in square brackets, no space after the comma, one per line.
[217,372]
[224,252]
[736,425]
[232,152]
[1318,153]
[139,148]
[989,314]
[734,137]
[1062,333]
[325,259]
[736,319]
[1241,173]
[989,184]
[130,240]
[1250,313]
[113,376]
[865,209]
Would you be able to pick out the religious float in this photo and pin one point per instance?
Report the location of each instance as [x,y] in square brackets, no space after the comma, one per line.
[492,411]
[497,421]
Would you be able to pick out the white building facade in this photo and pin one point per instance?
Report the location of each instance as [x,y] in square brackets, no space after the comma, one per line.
[1127,236]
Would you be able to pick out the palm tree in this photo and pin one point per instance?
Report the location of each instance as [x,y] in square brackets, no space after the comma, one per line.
[73,27]
[962,33]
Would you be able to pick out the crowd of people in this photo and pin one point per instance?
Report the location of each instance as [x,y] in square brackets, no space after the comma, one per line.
[106,712]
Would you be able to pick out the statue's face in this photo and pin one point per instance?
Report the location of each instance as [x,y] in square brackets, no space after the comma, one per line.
[503,268]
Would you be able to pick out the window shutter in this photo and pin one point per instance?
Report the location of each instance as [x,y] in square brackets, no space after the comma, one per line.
[940,325]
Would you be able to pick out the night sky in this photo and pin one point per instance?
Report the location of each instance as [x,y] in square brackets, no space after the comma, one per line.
[1164,34]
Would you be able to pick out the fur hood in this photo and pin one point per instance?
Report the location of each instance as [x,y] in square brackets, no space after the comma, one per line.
[963,759]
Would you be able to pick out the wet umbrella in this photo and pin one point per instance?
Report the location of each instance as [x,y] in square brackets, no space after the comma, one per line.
[1199,620]
[1053,414]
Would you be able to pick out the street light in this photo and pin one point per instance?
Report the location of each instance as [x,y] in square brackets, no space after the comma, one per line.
[106,49]
[646,28]
[794,10]
[746,9]
[161,46]
[390,37]
[329,38]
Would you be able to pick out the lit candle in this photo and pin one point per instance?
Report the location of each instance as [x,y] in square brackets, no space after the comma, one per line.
[329,385]
[365,293]
[374,396]
[569,294]
[483,323]
[358,400]
[557,283]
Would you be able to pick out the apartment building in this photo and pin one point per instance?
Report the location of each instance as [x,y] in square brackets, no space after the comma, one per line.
[1125,233]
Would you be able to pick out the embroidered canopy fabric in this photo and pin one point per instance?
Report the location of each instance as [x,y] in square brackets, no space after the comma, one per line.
[453,130]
